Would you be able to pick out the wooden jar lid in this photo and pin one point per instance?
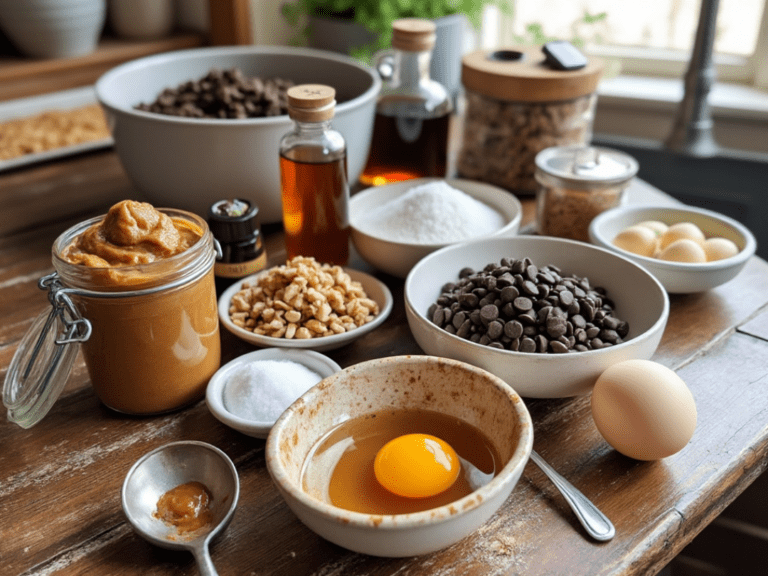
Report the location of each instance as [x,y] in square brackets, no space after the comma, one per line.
[522,75]
[311,102]
[413,34]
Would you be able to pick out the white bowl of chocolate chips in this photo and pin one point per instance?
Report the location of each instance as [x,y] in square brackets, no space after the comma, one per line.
[546,315]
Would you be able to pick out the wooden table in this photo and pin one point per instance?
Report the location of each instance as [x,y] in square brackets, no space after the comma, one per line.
[60,481]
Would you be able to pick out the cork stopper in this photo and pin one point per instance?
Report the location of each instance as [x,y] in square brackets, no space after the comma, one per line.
[522,75]
[413,34]
[311,102]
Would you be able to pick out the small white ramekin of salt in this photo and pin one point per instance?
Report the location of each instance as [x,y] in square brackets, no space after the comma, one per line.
[251,392]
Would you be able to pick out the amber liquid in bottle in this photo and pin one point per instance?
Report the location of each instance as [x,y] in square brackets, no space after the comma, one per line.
[315,209]
[406,148]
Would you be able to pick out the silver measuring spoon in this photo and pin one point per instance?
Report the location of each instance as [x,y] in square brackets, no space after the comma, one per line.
[594,521]
[169,466]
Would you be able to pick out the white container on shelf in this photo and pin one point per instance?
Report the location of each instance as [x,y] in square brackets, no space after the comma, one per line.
[53,29]
[142,18]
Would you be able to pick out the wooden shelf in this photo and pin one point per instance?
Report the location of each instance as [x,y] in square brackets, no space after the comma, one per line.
[21,77]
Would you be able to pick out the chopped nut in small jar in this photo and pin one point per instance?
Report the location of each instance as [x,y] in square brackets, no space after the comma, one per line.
[302,299]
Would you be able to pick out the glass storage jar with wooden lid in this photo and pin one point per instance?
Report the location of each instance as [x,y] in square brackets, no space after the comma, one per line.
[518,104]
[141,300]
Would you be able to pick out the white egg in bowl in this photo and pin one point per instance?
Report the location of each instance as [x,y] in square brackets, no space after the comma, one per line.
[395,225]
[551,369]
[694,274]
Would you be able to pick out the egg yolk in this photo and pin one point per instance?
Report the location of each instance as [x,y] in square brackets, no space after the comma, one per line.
[416,466]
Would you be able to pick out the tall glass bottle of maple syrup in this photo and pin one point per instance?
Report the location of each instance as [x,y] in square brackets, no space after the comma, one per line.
[313,178]
[410,132]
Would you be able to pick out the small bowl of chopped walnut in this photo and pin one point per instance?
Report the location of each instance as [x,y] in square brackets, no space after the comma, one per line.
[305,304]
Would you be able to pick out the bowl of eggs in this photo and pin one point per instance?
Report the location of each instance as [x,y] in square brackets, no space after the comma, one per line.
[688,249]
[395,225]
[547,315]
[400,456]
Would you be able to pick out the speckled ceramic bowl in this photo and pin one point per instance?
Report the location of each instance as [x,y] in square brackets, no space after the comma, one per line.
[447,386]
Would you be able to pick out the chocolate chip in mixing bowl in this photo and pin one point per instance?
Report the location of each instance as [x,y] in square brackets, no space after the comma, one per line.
[509,293]
[495,330]
[527,345]
[489,313]
[513,329]
[519,306]
[558,347]
[556,326]
[459,318]
[522,304]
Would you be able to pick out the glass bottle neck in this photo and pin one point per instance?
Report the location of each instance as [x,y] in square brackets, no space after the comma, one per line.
[312,127]
[412,68]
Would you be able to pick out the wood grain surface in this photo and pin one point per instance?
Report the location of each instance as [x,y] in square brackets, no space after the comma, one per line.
[60,481]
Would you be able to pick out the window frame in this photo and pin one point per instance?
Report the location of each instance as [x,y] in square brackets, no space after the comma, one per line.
[752,70]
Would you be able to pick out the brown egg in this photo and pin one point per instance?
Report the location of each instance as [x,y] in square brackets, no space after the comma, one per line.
[637,239]
[719,248]
[643,409]
[659,228]
[680,231]
[684,250]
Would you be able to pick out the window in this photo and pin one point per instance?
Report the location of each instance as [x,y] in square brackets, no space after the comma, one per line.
[651,37]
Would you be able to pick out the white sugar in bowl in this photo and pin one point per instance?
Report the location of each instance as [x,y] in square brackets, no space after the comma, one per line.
[392,234]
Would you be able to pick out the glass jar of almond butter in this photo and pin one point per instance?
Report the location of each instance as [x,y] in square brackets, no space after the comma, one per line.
[141,302]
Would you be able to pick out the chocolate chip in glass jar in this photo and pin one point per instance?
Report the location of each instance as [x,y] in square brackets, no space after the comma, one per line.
[518,306]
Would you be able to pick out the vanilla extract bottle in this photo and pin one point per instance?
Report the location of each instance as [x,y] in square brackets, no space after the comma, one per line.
[313,178]
[410,133]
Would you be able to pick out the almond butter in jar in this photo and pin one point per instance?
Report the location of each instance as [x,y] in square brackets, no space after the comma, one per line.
[136,289]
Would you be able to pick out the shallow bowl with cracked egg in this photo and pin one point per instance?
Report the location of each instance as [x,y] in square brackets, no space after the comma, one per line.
[450,387]
[678,277]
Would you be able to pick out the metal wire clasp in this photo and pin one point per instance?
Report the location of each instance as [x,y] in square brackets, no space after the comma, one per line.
[76,328]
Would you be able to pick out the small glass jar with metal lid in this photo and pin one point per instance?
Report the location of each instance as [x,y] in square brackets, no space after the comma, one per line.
[516,106]
[149,332]
[575,184]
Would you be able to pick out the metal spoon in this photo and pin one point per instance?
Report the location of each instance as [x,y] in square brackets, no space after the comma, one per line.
[595,522]
[167,467]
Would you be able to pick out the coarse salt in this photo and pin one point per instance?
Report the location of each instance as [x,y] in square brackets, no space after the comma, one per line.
[261,391]
[432,213]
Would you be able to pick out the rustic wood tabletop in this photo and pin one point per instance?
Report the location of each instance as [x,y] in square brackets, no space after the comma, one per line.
[60,481]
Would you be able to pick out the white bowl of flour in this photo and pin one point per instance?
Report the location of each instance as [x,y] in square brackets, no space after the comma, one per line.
[396,225]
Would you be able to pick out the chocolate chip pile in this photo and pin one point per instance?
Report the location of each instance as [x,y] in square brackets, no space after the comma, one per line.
[516,306]
[223,94]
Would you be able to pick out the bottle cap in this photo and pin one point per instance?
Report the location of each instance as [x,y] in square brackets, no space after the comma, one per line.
[233,220]
[311,102]
[413,34]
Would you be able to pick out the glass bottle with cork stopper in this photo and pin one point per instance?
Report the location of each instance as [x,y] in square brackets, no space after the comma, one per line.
[313,178]
[410,132]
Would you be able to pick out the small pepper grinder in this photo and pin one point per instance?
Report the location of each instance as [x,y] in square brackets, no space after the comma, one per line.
[235,224]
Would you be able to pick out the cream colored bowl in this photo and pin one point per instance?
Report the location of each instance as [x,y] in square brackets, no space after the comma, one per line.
[639,299]
[678,277]
[439,384]
[191,163]
[397,257]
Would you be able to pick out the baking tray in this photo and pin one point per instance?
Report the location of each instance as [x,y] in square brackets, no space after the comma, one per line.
[63,100]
